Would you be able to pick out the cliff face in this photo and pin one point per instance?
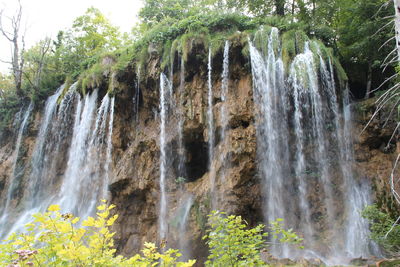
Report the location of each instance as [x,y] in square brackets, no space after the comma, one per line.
[376,150]
[135,187]
[195,183]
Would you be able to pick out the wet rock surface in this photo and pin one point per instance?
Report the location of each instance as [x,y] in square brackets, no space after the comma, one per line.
[134,186]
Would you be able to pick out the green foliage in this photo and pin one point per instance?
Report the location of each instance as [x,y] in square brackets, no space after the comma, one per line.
[82,46]
[362,32]
[232,243]
[54,239]
[180,180]
[292,44]
[10,103]
[384,230]
[284,236]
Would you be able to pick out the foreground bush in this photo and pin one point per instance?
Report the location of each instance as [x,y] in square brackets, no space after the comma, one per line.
[233,244]
[384,230]
[54,239]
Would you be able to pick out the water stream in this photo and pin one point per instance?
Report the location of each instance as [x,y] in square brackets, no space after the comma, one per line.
[164,84]
[224,140]
[210,130]
[302,111]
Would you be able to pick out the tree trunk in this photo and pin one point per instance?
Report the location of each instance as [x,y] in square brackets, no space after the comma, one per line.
[369,81]
[293,5]
[17,57]
[313,9]
[280,7]
[17,71]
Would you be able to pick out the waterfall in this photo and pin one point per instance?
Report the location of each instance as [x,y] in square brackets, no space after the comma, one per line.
[303,112]
[184,212]
[163,159]
[76,172]
[224,96]
[210,120]
[89,156]
[16,172]
[41,176]
[108,162]
[38,157]
[270,99]
[223,118]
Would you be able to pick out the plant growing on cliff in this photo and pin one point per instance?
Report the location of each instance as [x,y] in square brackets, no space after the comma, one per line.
[384,230]
[54,239]
[232,243]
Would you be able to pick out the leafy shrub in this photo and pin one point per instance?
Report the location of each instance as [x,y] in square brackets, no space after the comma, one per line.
[53,239]
[384,230]
[232,244]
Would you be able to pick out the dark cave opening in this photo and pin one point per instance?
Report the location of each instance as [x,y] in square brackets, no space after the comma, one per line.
[196,155]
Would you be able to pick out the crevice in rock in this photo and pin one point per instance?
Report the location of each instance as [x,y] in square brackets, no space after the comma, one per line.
[196,154]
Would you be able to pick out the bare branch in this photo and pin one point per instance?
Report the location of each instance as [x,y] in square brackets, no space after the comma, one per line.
[385,43]
[393,134]
[384,82]
[380,106]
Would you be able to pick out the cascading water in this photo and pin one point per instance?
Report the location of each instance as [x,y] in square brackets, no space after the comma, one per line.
[302,111]
[356,234]
[17,170]
[184,212]
[210,120]
[163,159]
[75,126]
[41,175]
[39,155]
[84,116]
[224,109]
[89,156]
[271,102]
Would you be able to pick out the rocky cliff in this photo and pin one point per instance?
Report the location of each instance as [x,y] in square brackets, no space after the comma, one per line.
[195,183]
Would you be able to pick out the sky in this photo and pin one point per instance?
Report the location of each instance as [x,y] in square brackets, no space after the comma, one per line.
[45,18]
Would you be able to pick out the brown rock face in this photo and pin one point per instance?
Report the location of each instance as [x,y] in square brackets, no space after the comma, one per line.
[376,152]
[134,187]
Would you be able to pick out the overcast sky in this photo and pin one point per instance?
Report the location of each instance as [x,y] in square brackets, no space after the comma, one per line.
[46,17]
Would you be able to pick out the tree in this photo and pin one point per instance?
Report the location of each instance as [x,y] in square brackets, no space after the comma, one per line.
[13,36]
[259,8]
[37,59]
[157,10]
[91,35]
[362,32]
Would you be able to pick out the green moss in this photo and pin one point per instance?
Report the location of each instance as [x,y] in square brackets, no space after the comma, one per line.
[288,48]
[210,30]
[260,38]
[142,58]
[112,84]
[201,209]
[340,72]
[125,57]
[166,54]
[293,42]
[67,84]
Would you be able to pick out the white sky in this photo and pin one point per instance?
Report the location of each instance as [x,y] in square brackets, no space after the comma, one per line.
[46,17]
